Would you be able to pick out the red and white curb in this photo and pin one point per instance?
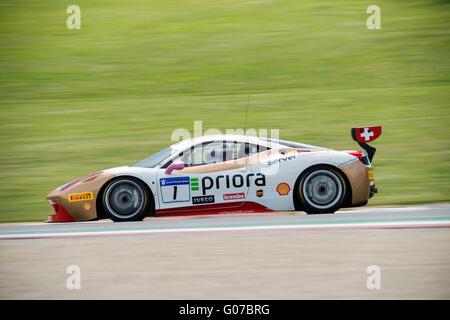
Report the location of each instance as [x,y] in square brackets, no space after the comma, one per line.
[329,226]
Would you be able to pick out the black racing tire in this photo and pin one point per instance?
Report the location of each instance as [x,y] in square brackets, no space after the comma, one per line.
[126,199]
[321,189]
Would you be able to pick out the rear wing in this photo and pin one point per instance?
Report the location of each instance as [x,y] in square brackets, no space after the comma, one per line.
[363,135]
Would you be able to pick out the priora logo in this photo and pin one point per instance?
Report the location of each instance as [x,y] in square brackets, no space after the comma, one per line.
[237,181]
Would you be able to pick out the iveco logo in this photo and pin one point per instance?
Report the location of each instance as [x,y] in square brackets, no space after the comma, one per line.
[203,199]
[237,181]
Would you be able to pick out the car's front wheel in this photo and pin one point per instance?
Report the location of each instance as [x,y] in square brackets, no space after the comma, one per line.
[126,199]
[321,189]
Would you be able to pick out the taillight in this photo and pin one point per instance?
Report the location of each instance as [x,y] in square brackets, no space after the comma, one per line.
[357,154]
[361,156]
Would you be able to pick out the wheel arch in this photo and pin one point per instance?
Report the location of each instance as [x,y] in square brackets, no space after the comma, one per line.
[348,196]
[99,202]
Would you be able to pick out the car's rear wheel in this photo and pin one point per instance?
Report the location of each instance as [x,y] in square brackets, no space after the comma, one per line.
[321,189]
[126,199]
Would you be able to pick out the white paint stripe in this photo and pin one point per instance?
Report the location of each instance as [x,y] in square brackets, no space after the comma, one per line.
[404,224]
[387,209]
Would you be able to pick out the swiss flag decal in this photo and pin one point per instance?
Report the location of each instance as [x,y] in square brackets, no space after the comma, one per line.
[367,134]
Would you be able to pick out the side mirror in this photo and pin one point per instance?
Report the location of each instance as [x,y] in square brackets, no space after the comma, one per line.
[174,166]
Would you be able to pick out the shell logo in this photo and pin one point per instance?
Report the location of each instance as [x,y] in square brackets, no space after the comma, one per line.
[283,189]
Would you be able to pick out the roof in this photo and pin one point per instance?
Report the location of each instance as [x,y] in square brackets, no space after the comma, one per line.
[223,137]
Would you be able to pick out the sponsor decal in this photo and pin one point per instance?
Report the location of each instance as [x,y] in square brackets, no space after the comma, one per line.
[81,196]
[259,193]
[173,181]
[283,189]
[87,206]
[203,199]
[370,175]
[236,181]
[194,184]
[175,189]
[234,196]
[281,160]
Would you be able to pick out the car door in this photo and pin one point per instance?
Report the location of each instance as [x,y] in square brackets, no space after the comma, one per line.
[211,179]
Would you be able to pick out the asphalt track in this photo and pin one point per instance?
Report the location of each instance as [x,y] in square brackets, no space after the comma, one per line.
[368,218]
[237,256]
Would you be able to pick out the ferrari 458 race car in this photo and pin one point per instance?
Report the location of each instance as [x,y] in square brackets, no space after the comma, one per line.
[224,174]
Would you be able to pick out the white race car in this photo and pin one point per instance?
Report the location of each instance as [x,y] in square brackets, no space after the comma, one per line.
[224,174]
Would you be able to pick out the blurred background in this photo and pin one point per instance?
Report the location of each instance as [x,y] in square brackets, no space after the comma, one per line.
[73,102]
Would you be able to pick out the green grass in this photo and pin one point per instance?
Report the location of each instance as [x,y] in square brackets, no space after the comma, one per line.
[76,101]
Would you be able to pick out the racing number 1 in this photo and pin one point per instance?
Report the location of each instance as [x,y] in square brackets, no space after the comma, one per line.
[175,189]
[174,192]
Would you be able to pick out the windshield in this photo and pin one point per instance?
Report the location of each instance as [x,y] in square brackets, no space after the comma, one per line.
[155,159]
